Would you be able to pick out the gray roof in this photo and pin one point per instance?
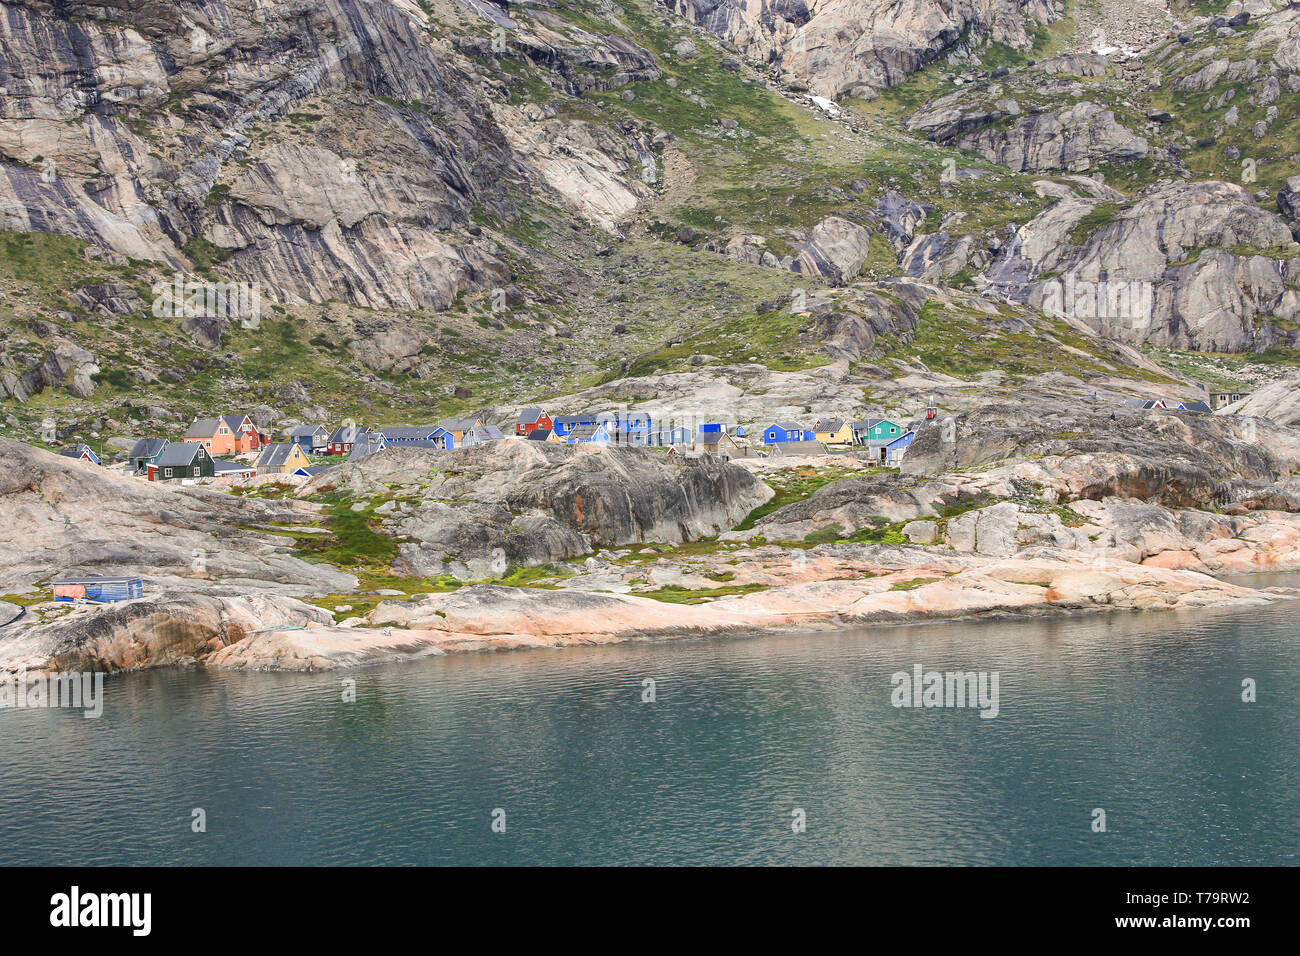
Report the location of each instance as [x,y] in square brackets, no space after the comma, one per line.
[584,432]
[367,444]
[529,415]
[412,432]
[275,456]
[345,434]
[180,453]
[486,433]
[207,427]
[797,448]
[147,447]
[304,430]
[75,451]
[539,434]
[219,466]
[833,425]
[789,426]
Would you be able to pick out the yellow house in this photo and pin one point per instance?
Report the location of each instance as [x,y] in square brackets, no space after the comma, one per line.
[282,458]
[555,438]
[835,431]
[459,426]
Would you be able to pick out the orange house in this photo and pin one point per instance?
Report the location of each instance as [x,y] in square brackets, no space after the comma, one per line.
[227,435]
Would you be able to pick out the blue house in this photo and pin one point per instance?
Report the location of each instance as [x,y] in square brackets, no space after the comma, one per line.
[783,432]
[313,439]
[895,449]
[590,433]
[676,435]
[565,424]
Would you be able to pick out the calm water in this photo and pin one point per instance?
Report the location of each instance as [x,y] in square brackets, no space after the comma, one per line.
[1138,714]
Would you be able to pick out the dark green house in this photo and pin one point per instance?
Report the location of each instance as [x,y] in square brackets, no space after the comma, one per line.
[182,459]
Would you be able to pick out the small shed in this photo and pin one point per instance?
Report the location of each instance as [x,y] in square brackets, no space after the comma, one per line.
[98,589]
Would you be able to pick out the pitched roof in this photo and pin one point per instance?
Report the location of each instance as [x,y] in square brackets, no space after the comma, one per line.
[486,432]
[539,434]
[587,431]
[311,471]
[304,430]
[180,453]
[203,428]
[344,434]
[797,448]
[147,447]
[277,455]
[529,415]
[77,451]
[574,419]
[1197,406]
[367,444]
[834,425]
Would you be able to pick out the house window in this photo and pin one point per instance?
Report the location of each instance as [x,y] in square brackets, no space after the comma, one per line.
[167,472]
[196,471]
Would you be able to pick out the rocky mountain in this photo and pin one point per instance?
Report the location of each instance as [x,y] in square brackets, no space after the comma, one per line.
[464,205]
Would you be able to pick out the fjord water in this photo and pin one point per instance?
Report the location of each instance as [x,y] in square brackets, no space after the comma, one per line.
[1137,714]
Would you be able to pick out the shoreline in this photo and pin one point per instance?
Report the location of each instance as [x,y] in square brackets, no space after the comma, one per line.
[272,633]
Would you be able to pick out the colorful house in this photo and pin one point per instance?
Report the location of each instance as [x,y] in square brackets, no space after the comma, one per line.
[421,434]
[144,452]
[835,431]
[97,589]
[540,434]
[458,427]
[227,435]
[894,451]
[632,428]
[531,419]
[676,435]
[313,439]
[81,453]
[585,434]
[182,459]
[565,424]
[783,432]
[343,438]
[282,458]
[876,429]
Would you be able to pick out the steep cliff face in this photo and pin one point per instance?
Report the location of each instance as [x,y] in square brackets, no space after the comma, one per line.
[838,47]
[1201,265]
[334,150]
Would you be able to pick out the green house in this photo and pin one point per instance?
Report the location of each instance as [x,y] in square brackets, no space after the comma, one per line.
[876,430]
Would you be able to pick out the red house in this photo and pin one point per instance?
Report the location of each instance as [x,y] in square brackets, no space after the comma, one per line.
[531,419]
